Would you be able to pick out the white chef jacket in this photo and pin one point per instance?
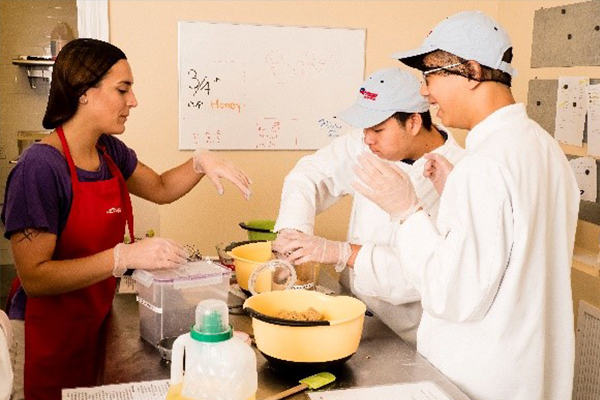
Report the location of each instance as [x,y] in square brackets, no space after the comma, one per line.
[319,180]
[494,272]
[6,372]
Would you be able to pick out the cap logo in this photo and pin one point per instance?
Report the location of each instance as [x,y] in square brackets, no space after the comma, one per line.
[368,95]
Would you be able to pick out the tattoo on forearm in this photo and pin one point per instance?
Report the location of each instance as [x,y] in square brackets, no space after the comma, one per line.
[29,234]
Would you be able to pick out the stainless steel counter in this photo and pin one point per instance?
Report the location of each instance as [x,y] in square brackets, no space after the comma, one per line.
[382,357]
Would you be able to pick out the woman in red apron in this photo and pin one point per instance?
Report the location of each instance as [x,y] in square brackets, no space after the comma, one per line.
[68,254]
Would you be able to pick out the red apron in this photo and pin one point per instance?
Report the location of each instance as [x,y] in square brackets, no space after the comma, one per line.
[63,332]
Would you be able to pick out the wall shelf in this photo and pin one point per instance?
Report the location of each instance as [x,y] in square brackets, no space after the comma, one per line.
[37,68]
[586,261]
[26,139]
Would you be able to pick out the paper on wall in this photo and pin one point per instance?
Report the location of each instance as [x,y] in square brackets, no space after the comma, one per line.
[406,391]
[571,107]
[152,390]
[593,120]
[586,175]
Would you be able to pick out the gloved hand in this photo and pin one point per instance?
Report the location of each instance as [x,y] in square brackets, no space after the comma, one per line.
[282,240]
[437,169]
[208,163]
[153,253]
[301,248]
[386,185]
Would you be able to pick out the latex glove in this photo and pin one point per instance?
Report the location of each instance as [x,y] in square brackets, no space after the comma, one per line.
[6,327]
[302,248]
[208,163]
[153,253]
[437,169]
[386,185]
[282,240]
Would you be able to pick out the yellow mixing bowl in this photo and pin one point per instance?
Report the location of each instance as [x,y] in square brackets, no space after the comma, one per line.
[317,345]
[246,259]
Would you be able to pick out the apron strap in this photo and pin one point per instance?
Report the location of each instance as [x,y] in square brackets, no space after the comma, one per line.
[126,199]
[67,152]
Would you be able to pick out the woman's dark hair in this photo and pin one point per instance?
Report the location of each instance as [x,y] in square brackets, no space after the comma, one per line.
[402,117]
[80,65]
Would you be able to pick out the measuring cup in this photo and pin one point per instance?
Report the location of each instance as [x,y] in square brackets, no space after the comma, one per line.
[283,275]
[307,273]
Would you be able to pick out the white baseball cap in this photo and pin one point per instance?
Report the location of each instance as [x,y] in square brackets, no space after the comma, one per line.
[383,94]
[471,35]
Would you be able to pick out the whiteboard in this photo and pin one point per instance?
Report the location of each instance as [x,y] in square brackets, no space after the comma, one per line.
[250,87]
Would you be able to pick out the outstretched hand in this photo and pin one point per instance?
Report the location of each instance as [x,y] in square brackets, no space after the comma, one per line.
[208,163]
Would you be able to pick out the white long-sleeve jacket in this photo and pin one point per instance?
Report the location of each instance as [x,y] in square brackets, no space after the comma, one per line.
[494,271]
[6,372]
[319,180]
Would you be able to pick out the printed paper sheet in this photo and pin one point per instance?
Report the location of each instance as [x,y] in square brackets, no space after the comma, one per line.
[571,107]
[587,177]
[152,390]
[593,120]
[407,391]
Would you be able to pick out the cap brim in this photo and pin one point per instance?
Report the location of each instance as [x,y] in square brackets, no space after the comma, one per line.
[413,58]
[362,117]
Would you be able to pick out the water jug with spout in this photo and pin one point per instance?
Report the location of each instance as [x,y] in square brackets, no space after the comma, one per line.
[218,365]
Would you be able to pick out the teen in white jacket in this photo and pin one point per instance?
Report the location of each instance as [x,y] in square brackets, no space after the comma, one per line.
[494,271]
[321,179]
[6,372]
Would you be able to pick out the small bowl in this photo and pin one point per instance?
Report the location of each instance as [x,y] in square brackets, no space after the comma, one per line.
[248,257]
[261,229]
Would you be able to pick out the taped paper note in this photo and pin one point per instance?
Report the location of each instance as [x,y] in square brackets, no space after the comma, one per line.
[586,175]
[571,106]
[593,120]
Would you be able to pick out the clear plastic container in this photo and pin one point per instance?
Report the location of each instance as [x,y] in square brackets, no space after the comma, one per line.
[167,298]
[218,364]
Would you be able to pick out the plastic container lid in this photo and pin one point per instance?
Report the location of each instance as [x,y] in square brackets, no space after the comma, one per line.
[196,273]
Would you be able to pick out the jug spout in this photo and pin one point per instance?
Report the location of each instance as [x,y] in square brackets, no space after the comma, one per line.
[217,364]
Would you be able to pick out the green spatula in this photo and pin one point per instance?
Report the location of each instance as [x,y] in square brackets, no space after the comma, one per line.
[312,382]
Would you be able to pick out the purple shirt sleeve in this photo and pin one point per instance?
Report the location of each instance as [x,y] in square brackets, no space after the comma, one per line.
[39,192]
